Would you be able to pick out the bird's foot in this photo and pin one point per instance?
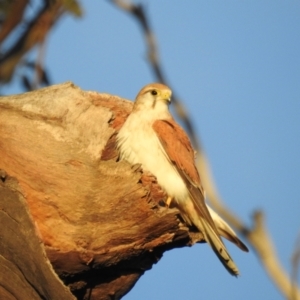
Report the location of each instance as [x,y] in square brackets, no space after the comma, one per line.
[168,201]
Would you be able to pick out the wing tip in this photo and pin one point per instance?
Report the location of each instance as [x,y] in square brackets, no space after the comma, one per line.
[220,250]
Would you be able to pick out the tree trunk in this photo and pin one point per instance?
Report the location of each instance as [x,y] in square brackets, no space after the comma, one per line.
[102,222]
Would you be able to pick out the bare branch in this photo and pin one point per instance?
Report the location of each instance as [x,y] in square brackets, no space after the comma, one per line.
[257,236]
[295,266]
[36,30]
[13,16]
[35,33]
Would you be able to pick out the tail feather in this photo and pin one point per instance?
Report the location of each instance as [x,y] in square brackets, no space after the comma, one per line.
[218,247]
[205,219]
[226,231]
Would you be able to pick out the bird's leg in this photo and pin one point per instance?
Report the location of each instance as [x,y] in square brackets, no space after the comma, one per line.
[168,201]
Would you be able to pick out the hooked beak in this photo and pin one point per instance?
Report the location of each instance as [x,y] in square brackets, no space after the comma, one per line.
[166,96]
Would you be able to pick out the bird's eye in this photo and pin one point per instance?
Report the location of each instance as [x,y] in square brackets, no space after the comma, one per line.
[153,92]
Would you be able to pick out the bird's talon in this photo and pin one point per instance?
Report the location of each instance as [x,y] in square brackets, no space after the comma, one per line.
[168,201]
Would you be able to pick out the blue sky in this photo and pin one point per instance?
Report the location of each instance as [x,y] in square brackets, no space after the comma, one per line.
[236,66]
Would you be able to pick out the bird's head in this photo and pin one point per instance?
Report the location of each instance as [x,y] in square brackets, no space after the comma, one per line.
[153,96]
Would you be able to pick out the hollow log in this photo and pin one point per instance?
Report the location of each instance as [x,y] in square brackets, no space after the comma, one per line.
[101,222]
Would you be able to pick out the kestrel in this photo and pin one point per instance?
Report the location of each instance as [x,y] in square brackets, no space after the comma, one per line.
[152,138]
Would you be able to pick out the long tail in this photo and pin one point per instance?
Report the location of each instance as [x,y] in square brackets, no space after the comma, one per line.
[201,218]
[218,246]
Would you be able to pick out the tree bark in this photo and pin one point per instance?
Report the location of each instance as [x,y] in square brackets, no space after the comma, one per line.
[102,222]
[25,270]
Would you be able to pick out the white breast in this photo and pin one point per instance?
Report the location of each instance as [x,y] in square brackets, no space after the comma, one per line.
[139,144]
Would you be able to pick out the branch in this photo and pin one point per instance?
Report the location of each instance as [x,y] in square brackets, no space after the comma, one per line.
[13,16]
[295,266]
[257,236]
[35,33]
